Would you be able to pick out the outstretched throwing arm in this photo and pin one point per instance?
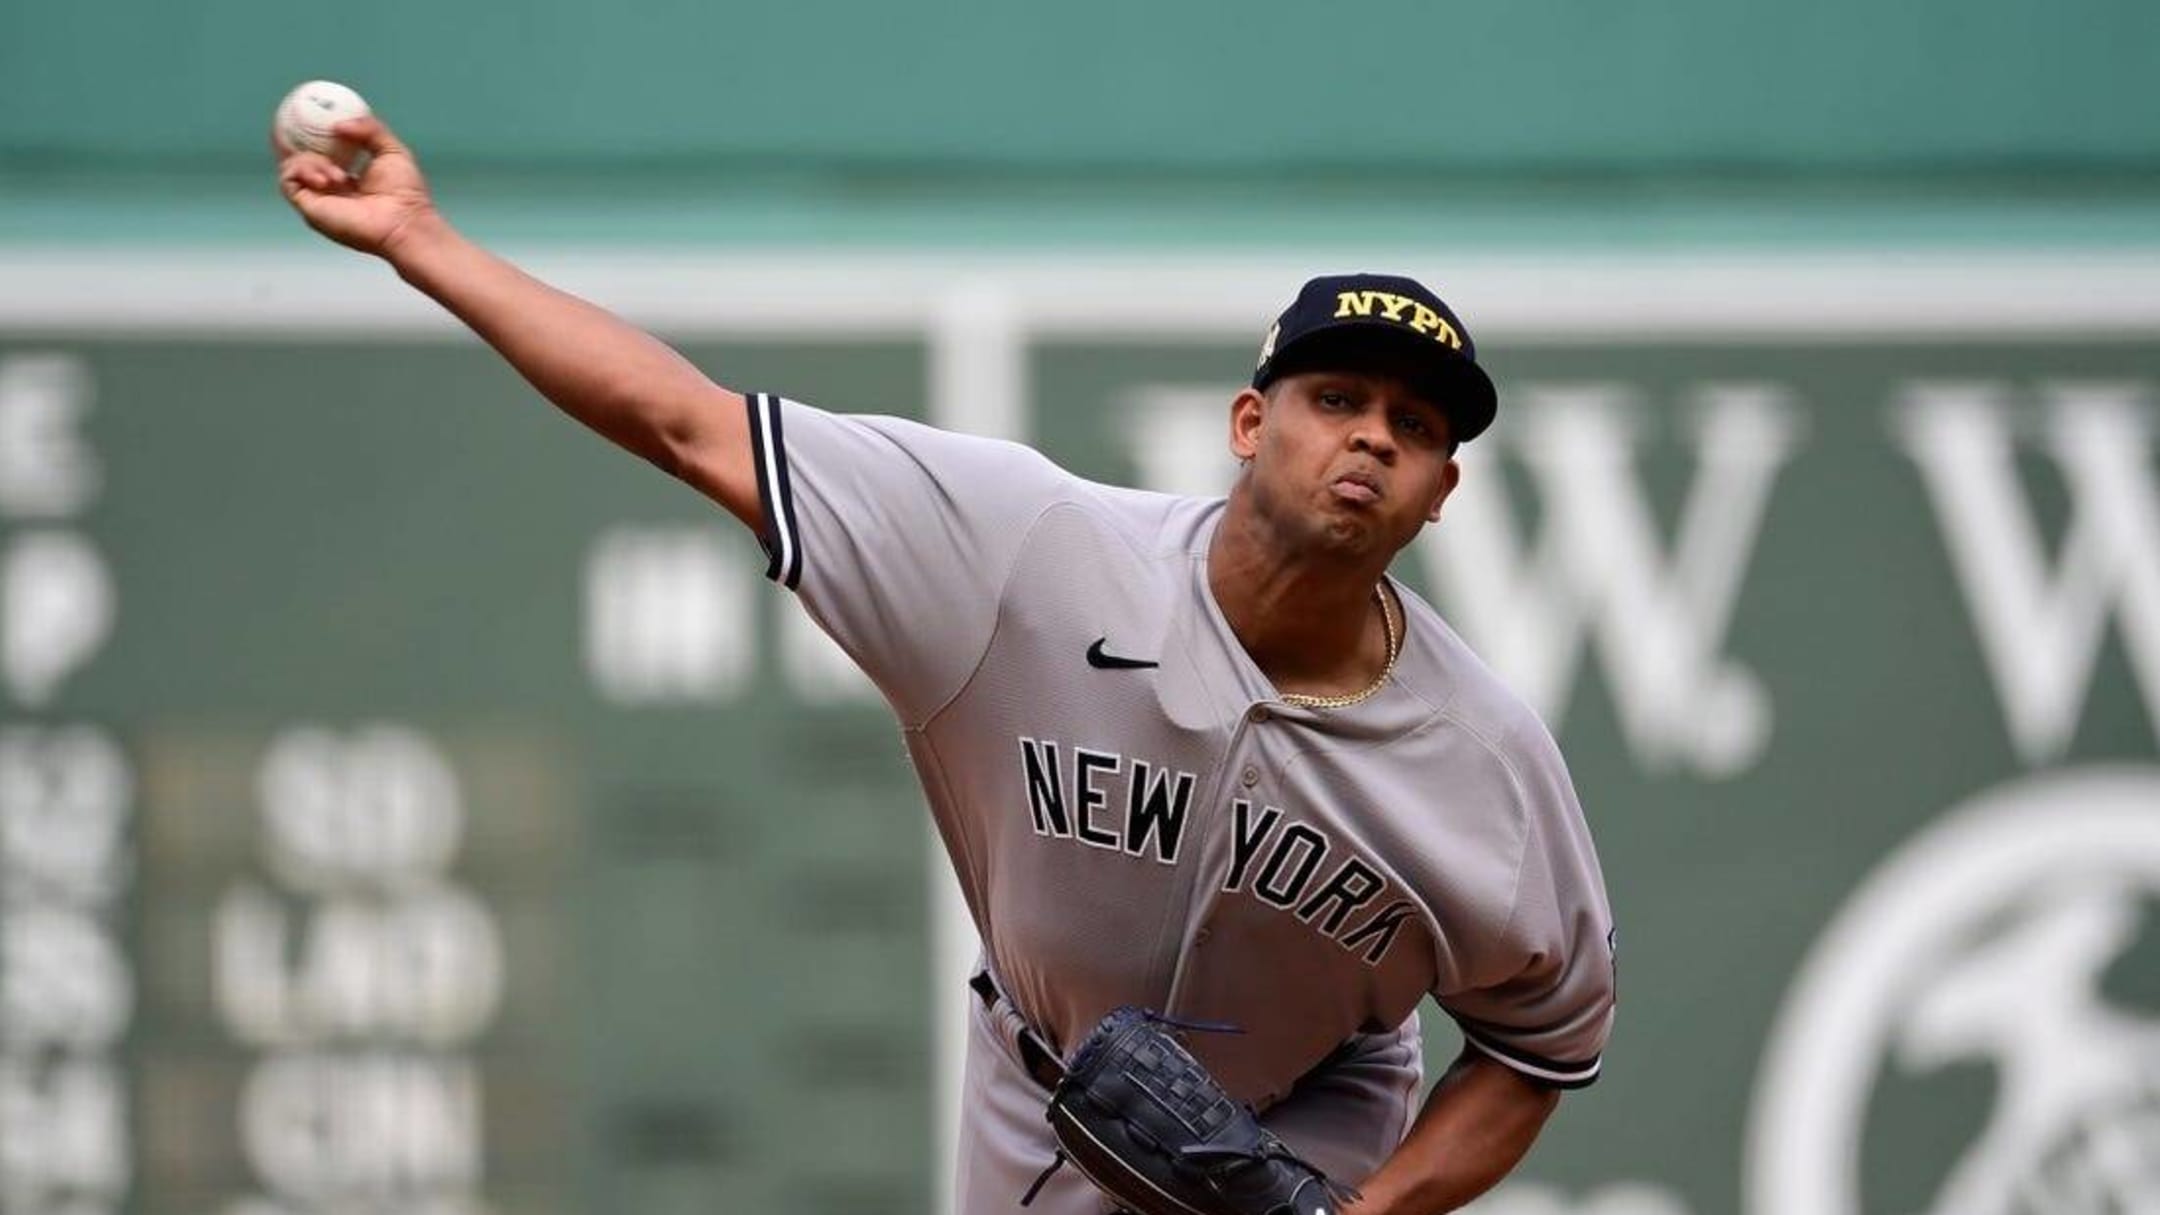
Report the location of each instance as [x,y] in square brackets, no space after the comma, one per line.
[620,381]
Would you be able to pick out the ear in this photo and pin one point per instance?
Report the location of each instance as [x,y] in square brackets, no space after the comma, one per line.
[1246,409]
[1449,478]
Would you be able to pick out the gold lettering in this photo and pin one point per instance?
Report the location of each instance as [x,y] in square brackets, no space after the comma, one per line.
[1393,307]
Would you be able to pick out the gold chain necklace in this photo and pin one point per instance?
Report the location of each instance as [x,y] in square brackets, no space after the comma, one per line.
[1394,648]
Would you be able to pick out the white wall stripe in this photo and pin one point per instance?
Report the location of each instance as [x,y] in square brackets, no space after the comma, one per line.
[325,294]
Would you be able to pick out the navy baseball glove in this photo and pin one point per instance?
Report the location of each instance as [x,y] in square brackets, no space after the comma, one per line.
[1146,1123]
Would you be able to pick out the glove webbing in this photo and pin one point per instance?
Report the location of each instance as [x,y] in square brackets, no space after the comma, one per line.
[1058,1157]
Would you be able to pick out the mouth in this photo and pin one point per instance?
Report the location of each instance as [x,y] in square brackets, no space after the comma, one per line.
[1356,487]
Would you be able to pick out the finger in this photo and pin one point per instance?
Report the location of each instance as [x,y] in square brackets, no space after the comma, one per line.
[304,162]
[319,172]
[310,179]
[330,177]
[373,134]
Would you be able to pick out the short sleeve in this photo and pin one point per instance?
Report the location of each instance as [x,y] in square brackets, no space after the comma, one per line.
[1550,1019]
[896,536]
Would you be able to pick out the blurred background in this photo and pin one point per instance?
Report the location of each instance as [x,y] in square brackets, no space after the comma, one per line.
[410,804]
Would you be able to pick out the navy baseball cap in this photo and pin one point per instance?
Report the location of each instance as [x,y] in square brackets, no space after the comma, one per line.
[1338,319]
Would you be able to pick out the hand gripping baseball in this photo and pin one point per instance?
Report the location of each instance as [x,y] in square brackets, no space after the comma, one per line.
[368,212]
[1150,1128]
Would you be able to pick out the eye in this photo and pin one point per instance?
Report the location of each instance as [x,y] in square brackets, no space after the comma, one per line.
[1414,424]
[1334,398]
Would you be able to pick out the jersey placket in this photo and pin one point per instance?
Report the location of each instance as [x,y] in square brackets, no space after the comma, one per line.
[1242,779]
[1241,698]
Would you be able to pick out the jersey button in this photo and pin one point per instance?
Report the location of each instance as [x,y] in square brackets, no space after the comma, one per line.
[1259,713]
[1249,777]
[1200,938]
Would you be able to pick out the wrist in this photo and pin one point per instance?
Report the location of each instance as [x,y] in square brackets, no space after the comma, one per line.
[409,246]
[1376,1200]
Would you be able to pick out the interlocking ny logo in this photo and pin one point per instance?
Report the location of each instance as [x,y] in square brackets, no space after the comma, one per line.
[2041,624]
[1657,612]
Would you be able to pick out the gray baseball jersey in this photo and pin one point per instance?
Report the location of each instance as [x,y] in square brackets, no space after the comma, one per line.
[1136,817]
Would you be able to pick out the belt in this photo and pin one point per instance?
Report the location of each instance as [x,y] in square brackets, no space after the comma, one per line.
[1040,1064]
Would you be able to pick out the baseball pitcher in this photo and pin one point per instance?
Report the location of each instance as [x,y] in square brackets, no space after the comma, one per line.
[1225,800]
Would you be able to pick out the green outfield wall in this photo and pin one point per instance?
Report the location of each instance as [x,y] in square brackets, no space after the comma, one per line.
[1272,125]
[412,804]
[1193,88]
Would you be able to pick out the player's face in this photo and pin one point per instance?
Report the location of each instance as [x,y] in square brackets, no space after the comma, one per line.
[1351,462]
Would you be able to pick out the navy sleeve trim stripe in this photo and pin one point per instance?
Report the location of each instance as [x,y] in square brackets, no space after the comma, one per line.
[1550,1072]
[776,493]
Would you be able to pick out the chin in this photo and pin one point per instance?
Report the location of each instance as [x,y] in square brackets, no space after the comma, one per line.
[1348,535]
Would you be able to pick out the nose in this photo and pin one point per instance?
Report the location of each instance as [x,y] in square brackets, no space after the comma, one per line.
[1372,435]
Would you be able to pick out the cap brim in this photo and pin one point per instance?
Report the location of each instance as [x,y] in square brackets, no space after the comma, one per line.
[1458,386]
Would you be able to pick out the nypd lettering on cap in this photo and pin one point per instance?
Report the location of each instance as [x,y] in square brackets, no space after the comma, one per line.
[1399,308]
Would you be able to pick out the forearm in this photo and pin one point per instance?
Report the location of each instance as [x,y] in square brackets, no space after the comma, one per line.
[1476,1126]
[622,382]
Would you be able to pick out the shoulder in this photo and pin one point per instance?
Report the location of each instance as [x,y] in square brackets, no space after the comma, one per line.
[1157,524]
[1439,666]
[1471,701]
[1001,485]
[1001,465]
[927,444]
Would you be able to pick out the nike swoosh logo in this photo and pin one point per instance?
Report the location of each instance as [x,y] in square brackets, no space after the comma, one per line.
[1111,662]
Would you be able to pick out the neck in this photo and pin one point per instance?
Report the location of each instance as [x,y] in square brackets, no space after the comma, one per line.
[1308,620]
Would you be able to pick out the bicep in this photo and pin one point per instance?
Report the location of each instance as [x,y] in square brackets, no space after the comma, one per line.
[1550,1015]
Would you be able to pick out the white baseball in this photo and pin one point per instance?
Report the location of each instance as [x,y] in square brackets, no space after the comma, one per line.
[306,115]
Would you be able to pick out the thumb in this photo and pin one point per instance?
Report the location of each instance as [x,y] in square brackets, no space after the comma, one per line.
[373,134]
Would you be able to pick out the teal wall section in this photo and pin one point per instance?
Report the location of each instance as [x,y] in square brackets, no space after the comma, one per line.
[1551,85]
[1268,123]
